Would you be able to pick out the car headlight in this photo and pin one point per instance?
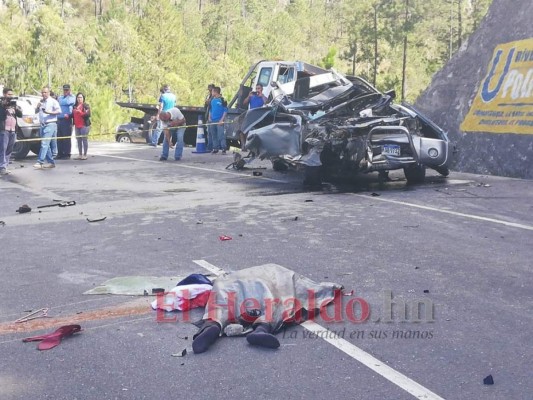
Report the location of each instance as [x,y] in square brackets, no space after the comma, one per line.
[28,120]
[433,152]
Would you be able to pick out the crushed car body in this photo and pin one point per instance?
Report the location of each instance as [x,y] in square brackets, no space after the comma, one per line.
[334,124]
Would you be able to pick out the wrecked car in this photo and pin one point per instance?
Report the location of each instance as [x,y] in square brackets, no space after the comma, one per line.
[335,124]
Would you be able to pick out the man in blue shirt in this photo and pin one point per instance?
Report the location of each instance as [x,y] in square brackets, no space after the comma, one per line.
[166,101]
[217,114]
[64,123]
[256,99]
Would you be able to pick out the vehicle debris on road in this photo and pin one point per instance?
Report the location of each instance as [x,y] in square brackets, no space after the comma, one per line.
[23,209]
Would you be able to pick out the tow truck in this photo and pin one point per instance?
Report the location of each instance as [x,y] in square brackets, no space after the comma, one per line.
[269,74]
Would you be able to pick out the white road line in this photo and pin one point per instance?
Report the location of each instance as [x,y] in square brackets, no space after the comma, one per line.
[458,214]
[399,379]
[193,167]
[210,267]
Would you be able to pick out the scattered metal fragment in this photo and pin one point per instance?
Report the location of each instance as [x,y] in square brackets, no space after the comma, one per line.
[2,223]
[61,204]
[182,354]
[308,201]
[96,220]
[199,222]
[224,237]
[411,226]
[23,209]
[374,194]
[41,313]
[489,380]
[426,291]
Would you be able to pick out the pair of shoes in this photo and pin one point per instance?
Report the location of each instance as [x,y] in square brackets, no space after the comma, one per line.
[48,166]
[4,171]
[223,151]
[214,152]
[162,158]
[84,157]
[38,165]
[79,157]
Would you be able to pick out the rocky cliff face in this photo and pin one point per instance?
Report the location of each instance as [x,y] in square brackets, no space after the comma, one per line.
[454,89]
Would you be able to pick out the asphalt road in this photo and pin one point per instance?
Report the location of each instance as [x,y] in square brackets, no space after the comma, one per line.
[463,245]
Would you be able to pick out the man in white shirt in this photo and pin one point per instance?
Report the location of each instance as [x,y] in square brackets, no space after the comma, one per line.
[48,110]
[172,119]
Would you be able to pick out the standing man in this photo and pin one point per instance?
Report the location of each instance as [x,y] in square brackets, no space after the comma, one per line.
[217,114]
[172,119]
[49,110]
[167,100]
[64,123]
[8,127]
[256,99]
[207,106]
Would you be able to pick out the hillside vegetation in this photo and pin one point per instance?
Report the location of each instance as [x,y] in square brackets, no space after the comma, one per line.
[126,49]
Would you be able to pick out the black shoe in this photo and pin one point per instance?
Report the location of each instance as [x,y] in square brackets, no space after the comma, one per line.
[223,151]
[261,336]
[214,152]
[162,159]
[206,337]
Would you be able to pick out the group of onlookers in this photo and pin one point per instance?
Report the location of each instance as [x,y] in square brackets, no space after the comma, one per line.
[57,117]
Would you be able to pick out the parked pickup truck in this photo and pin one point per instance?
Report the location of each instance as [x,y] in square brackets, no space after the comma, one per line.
[27,127]
[267,73]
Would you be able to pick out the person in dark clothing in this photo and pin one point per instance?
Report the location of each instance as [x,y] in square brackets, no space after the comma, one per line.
[8,127]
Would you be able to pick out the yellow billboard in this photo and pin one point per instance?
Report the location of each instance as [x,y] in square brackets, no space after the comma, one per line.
[504,103]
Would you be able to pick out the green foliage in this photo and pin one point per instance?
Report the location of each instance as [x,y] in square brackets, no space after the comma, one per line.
[141,44]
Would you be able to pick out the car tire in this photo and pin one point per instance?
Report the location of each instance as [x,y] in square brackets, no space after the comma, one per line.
[415,173]
[20,149]
[124,138]
[312,177]
[279,165]
[35,147]
[444,171]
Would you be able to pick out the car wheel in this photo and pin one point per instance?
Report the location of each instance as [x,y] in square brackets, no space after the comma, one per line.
[124,138]
[313,177]
[415,173]
[35,147]
[279,165]
[20,149]
[444,171]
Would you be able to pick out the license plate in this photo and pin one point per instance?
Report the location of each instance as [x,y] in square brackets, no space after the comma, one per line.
[391,149]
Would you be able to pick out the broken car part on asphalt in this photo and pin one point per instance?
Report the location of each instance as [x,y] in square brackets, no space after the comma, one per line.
[333,124]
[40,313]
[61,204]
